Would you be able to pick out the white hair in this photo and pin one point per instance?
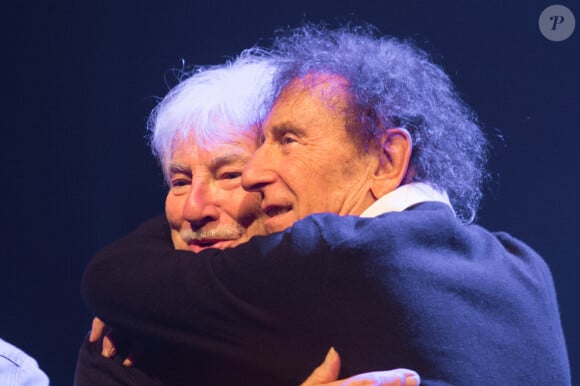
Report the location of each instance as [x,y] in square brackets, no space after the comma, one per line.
[214,104]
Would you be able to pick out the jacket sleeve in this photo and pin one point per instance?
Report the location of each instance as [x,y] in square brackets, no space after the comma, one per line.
[141,284]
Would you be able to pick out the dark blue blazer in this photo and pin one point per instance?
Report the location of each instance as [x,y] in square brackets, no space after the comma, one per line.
[417,289]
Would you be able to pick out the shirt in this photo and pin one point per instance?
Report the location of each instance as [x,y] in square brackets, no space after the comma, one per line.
[18,368]
[404,197]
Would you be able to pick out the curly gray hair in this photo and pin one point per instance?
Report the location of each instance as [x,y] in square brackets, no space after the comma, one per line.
[394,84]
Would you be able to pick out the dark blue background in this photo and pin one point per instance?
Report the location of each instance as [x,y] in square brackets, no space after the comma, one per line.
[78,82]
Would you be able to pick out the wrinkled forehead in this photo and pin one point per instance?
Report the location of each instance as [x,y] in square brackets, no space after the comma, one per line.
[217,132]
[308,99]
[331,87]
[233,140]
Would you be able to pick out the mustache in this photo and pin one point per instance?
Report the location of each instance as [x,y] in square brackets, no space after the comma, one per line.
[221,232]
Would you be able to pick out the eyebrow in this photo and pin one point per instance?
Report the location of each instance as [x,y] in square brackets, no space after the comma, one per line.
[283,127]
[177,168]
[229,158]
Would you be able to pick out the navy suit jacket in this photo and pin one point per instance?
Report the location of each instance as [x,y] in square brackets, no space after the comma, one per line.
[417,289]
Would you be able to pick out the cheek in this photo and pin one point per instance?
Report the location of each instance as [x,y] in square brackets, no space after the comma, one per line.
[178,242]
[255,229]
[247,208]
[312,166]
[173,210]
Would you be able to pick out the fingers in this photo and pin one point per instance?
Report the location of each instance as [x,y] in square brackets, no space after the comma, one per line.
[129,361]
[326,372]
[397,377]
[109,350]
[97,329]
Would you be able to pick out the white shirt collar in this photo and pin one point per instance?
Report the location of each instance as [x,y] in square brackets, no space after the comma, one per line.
[404,197]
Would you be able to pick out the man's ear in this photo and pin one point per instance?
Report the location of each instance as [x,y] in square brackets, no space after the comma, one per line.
[394,154]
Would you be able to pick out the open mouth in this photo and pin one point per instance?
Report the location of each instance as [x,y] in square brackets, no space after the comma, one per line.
[272,211]
[205,244]
[279,217]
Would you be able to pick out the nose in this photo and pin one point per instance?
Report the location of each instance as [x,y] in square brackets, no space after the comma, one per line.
[201,206]
[258,172]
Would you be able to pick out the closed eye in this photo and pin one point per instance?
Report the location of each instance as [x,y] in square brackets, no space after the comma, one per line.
[179,182]
[288,138]
[180,185]
[230,175]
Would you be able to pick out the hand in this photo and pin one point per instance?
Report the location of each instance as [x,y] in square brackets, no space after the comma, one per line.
[98,329]
[327,373]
